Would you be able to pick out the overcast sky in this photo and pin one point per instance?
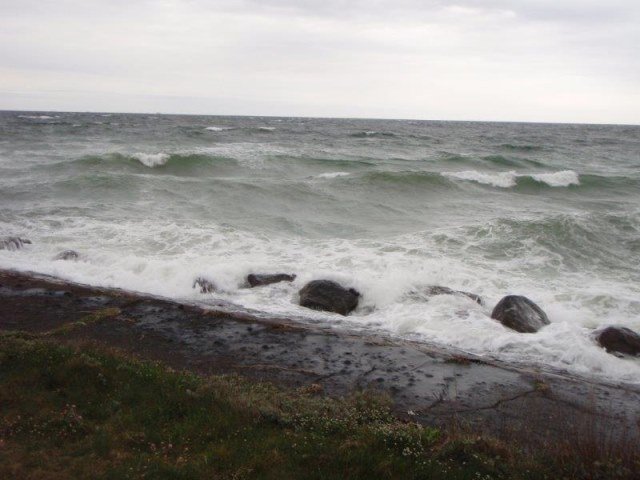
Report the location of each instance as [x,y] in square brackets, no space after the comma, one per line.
[521,60]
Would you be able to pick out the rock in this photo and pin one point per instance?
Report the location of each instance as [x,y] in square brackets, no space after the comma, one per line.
[206,286]
[13,243]
[328,296]
[68,255]
[438,290]
[619,340]
[259,279]
[520,314]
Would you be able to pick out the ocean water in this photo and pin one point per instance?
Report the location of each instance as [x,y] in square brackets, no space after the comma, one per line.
[153,201]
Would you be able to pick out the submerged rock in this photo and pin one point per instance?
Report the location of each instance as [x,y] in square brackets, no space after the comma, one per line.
[329,296]
[439,290]
[206,286]
[260,279]
[520,314]
[68,255]
[619,340]
[13,243]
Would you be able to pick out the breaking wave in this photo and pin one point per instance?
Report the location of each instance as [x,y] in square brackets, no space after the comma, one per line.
[510,179]
[214,128]
[333,175]
[38,117]
[152,159]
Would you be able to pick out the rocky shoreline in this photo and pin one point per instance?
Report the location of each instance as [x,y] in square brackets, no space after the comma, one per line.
[426,384]
[515,312]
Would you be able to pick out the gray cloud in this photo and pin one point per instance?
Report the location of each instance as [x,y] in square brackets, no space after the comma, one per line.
[537,60]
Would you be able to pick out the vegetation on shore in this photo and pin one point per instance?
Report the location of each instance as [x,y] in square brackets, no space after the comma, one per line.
[83,411]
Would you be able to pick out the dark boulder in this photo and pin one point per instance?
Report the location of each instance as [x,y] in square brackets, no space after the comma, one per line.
[438,290]
[260,279]
[619,340]
[13,243]
[68,255]
[206,286]
[520,314]
[329,296]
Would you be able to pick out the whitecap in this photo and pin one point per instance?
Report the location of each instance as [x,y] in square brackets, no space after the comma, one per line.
[497,179]
[558,179]
[37,117]
[333,175]
[152,159]
[509,179]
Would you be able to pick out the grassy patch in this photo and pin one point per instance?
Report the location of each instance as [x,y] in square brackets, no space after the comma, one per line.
[80,412]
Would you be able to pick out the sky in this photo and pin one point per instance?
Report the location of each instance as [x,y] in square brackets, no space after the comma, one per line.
[507,60]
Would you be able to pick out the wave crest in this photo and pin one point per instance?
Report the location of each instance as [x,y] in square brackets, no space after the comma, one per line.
[39,117]
[152,159]
[333,174]
[521,148]
[372,133]
[558,179]
[510,179]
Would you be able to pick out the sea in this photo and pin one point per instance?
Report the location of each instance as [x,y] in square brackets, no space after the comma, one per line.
[388,207]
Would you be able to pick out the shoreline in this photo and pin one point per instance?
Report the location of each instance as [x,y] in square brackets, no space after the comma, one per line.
[239,312]
[426,383]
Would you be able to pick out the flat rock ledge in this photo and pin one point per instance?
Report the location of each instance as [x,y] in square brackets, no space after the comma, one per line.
[427,384]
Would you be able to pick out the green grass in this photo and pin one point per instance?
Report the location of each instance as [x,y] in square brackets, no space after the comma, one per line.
[86,412]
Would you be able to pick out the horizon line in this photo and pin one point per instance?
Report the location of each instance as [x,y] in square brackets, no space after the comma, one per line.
[530,122]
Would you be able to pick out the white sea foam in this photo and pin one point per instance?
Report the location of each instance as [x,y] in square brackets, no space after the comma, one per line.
[496,179]
[267,129]
[164,257]
[152,159]
[217,129]
[558,179]
[509,179]
[332,175]
[38,117]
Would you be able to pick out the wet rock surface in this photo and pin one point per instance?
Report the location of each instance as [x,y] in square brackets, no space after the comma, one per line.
[616,339]
[205,285]
[329,296]
[520,314]
[437,386]
[68,255]
[260,279]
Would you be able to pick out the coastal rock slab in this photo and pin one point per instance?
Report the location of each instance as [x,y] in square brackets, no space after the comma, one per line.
[616,339]
[520,314]
[205,285]
[68,255]
[329,296]
[260,279]
[433,290]
[13,243]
